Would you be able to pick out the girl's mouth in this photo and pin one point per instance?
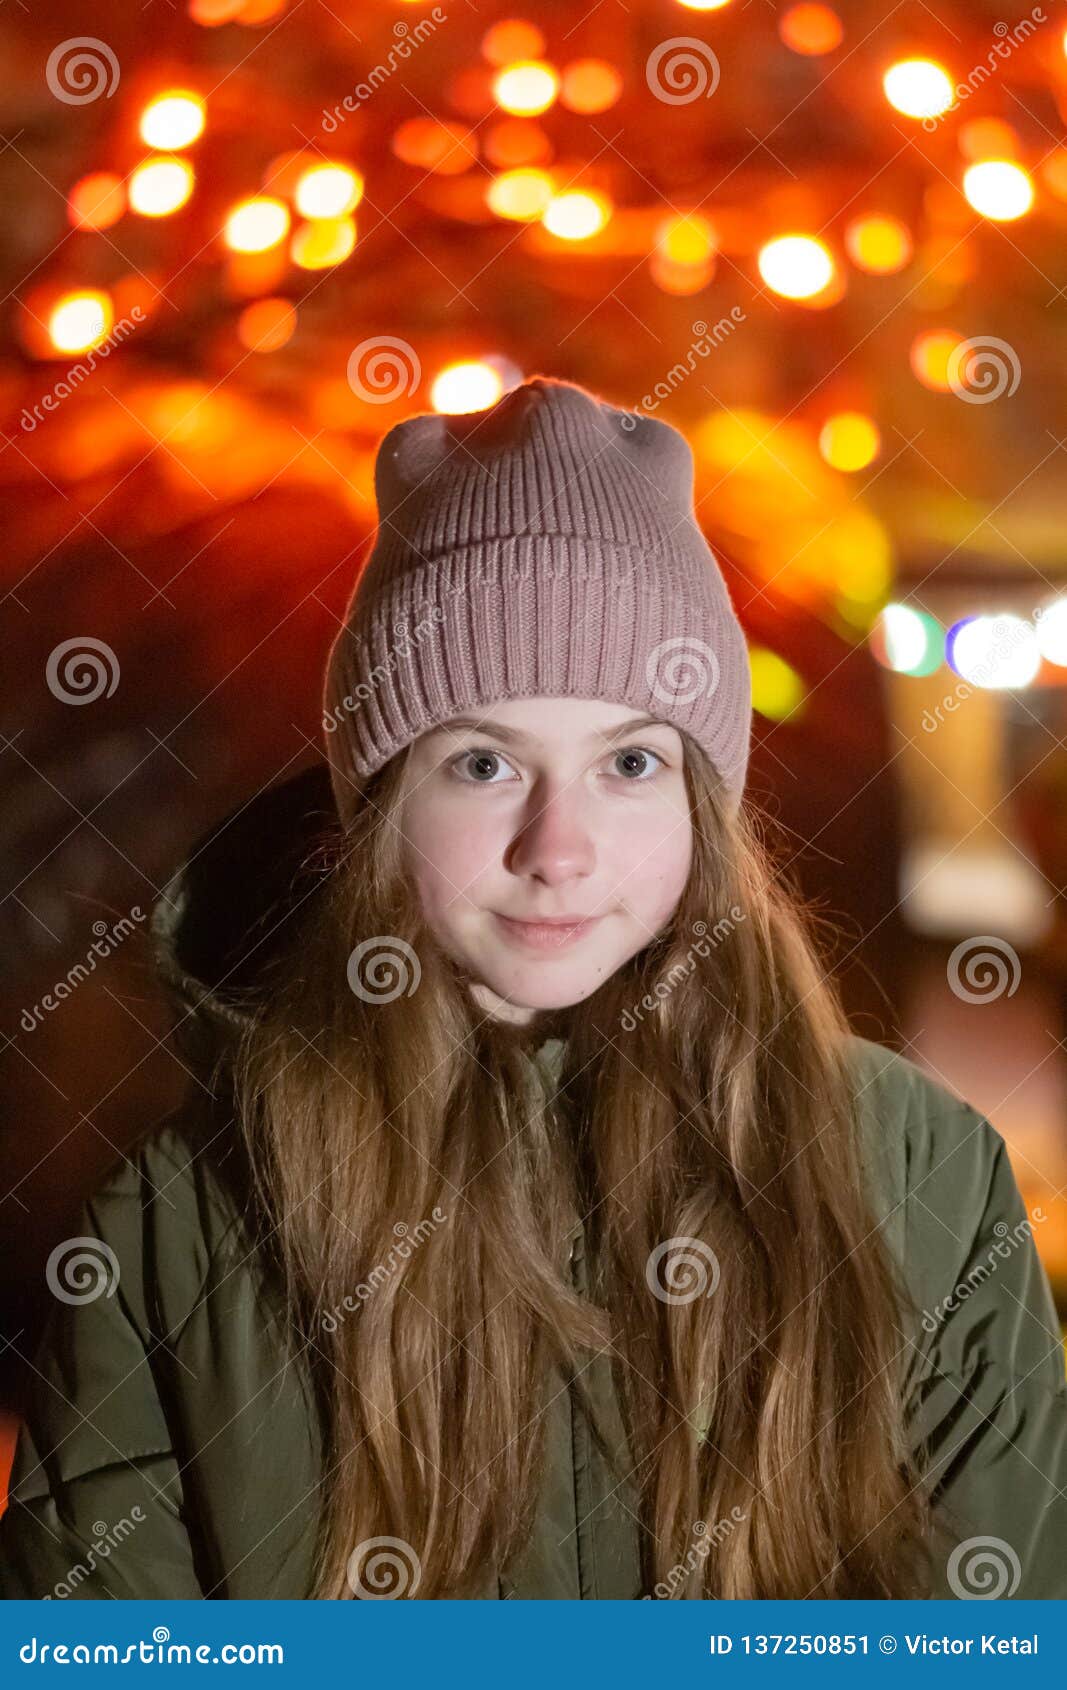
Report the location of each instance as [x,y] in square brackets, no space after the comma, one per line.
[545,935]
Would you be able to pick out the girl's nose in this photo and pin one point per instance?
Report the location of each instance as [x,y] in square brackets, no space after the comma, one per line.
[555,845]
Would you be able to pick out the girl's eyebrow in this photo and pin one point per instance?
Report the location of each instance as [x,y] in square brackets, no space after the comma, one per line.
[516,736]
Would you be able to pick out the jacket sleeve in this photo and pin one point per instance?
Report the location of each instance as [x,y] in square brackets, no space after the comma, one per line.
[95,1506]
[988,1391]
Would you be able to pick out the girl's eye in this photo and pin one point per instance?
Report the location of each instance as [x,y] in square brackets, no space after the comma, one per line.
[634,757]
[483,764]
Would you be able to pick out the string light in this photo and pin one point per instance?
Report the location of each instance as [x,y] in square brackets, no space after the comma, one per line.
[526,88]
[918,88]
[81,321]
[172,121]
[811,29]
[999,189]
[328,190]
[257,224]
[577,215]
[470,386]
[160,186]
[849,440]
[879,245]
[796,266]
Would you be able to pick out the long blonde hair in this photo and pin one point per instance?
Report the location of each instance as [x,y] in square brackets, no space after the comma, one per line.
[705,1097]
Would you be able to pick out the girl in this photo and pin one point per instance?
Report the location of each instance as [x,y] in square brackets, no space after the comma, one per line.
[535,1226]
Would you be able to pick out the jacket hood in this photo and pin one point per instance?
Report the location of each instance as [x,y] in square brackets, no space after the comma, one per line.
[225,910]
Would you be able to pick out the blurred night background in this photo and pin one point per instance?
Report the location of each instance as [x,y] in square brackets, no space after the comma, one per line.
[243,238]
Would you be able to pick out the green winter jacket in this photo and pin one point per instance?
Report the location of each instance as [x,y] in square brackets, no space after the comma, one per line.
[170,1450]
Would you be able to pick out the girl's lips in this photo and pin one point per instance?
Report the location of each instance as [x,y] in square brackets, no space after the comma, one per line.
[545,935]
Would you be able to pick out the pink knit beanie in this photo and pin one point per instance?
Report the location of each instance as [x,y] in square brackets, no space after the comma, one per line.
[545,547]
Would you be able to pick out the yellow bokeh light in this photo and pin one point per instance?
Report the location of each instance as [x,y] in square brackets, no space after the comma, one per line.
[918,88]
[80,321]
[796,266]
[173,120]
[326,241]
[777,689]
[998,189]
[527,87]
[160,186]
[849,440]
[879,245]
[703,5]
[520,194]
[930,357]
[328,190]
[688,239]
[256,224]
[576,216]
[470,386]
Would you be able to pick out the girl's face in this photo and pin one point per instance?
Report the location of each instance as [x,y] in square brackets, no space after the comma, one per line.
[539,809]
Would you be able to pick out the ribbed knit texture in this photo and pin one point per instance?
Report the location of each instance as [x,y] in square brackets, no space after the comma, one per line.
[547,546]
